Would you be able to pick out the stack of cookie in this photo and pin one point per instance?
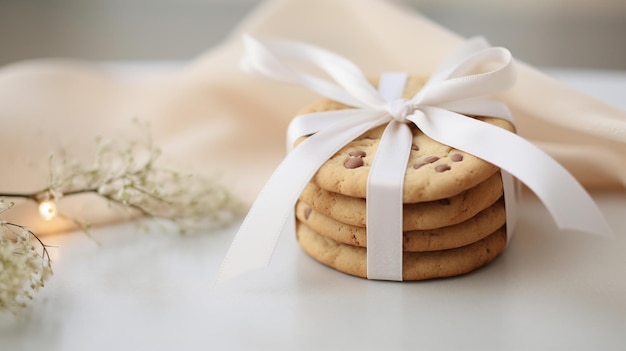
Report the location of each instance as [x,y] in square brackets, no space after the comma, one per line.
[454,218]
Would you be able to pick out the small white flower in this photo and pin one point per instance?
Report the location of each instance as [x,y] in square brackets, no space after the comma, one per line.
[5,205]
[23,270]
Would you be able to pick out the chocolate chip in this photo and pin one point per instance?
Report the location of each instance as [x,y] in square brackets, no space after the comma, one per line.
[355,241]
[415,147]
[353,162]
[357,153]
[307,212]
[442,168]
[431,159]
[456,157]
[419,164]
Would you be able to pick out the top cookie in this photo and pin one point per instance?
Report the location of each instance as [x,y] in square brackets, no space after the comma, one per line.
[434,171]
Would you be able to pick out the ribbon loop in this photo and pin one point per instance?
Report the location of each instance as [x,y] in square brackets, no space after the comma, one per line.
[270,58]
[457,85]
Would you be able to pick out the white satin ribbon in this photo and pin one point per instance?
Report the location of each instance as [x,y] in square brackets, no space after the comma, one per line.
[458,87]
[385,186]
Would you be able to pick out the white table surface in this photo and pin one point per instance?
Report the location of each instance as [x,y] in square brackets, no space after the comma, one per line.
[550,290]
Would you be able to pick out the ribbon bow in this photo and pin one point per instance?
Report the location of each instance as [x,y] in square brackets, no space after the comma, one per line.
[454,90]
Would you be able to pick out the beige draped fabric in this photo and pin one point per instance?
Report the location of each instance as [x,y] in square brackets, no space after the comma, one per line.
[211,118]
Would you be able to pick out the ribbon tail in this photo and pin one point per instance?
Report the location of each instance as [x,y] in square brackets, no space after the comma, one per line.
[384,203]
[511,196]
[254,243]
[566,200]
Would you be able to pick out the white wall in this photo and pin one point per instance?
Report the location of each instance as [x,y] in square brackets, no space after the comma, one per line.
[567,33]
[524,7]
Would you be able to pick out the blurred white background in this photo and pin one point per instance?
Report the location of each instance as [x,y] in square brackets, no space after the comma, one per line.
[549,33]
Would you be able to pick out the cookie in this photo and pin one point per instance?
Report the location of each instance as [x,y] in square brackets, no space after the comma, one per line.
[418,216]
[434,171]
[461,234]
[416,265]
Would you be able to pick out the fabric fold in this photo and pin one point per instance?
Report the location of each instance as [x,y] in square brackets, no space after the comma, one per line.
[210,117]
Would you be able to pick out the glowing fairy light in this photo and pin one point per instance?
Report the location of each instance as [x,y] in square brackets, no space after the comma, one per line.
[47,209]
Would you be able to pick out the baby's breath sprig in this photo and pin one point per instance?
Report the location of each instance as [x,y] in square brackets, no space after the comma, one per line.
[24,264]
[126,175]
